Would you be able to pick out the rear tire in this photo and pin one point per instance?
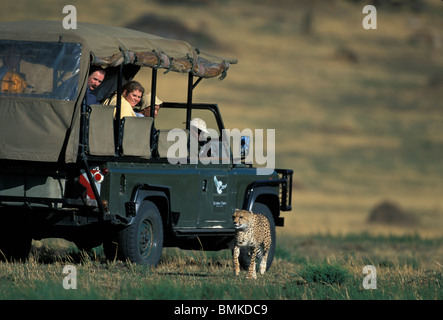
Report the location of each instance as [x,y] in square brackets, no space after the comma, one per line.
[245,258]
[15,241]
[142,241]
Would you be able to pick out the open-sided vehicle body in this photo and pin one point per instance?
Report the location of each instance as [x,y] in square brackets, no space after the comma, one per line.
[79,172]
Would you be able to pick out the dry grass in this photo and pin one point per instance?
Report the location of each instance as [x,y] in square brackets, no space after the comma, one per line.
[306,267]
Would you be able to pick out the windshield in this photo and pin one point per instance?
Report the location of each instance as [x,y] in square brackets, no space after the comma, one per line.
[39,69]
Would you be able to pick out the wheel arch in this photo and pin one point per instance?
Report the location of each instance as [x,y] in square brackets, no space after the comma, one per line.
[159,195]
[268,196]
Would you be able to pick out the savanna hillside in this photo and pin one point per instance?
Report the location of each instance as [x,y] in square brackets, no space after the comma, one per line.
[357,112]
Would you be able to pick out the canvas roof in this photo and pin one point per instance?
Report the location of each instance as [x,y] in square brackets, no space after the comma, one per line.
[48,128]
[112,46]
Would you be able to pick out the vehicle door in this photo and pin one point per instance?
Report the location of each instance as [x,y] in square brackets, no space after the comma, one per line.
[214,165]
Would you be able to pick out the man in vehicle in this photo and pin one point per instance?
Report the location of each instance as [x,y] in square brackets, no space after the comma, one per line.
[197,131]
[96,77]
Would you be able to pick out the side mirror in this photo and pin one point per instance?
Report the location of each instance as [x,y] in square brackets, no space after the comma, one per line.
[244,146]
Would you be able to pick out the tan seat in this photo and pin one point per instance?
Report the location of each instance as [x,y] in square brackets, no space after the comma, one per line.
[164,144]
[101,130]
[136,139]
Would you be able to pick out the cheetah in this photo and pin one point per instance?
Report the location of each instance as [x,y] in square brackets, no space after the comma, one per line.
[253,232]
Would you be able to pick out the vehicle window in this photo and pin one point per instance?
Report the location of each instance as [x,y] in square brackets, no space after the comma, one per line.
[39,69]
[212,148]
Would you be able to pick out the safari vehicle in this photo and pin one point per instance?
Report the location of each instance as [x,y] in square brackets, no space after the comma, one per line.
[68,170]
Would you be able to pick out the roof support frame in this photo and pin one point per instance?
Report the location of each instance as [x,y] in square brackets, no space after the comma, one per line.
[153,91]
[118,119]
[191,87]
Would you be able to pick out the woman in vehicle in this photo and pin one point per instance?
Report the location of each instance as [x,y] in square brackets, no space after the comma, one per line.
[131,96]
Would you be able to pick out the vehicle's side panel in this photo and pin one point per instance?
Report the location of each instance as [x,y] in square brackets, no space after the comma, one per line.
[182,181]
[20,183]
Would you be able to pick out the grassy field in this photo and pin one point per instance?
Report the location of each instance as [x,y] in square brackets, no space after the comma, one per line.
[317,267]
[358,118]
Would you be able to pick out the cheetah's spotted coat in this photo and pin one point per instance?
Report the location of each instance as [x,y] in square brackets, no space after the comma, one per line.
[253,232]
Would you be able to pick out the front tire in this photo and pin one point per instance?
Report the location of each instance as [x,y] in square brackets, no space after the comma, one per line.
[245,258]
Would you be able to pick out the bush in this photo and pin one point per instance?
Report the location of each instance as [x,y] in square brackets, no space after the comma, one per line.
[324,273]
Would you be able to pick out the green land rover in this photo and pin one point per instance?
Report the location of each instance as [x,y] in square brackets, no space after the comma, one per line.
[79,172]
